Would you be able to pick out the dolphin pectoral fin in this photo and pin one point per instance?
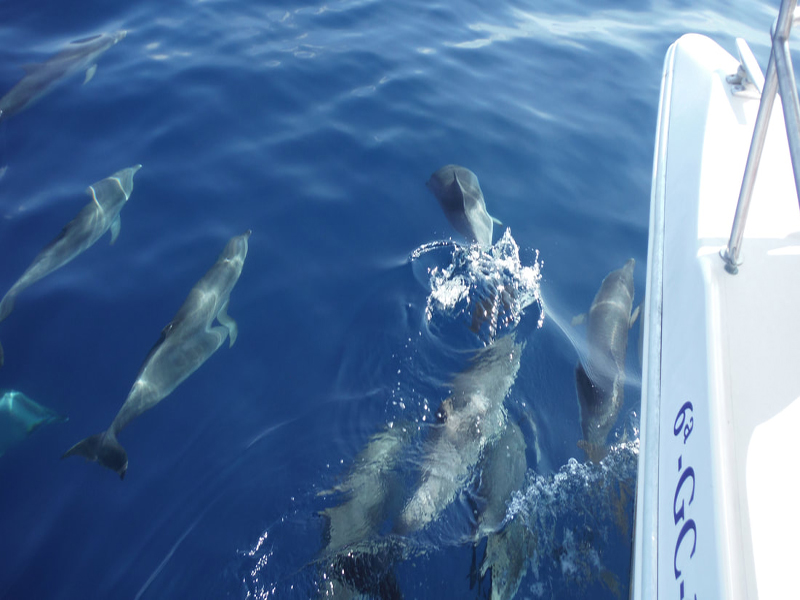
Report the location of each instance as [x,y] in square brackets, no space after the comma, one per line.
[634,316]
[228,323]
[90,73]
[579,320]
[496,220]
[115,226]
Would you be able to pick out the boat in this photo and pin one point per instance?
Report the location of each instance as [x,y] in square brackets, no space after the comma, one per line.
[717,505]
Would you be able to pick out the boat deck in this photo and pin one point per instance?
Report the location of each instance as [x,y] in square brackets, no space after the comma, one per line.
[717,513]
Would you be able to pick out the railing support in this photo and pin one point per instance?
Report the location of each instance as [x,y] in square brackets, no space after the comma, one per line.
[779,73]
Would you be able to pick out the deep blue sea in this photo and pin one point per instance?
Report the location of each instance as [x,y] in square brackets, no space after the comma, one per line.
[316,125]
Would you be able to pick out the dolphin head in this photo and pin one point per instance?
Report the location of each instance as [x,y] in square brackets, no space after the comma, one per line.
[237,247]
[618,284]
[628,268]
[118,35]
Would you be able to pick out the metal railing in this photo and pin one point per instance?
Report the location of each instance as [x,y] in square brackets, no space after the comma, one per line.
[779,75]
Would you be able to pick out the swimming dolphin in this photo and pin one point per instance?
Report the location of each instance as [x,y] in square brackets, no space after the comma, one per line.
[600,375]
[460,196]
[357,559]
[185,344]
[501,472]
[42,78]
[20,416]
[108,195]
[372,485]
[469,420]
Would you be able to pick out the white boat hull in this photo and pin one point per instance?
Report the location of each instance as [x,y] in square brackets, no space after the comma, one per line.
[717,513]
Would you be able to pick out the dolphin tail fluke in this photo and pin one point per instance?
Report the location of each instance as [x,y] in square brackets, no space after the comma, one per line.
[104,449]
[87,448]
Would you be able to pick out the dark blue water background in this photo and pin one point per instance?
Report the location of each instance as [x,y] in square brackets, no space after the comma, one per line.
[315,125]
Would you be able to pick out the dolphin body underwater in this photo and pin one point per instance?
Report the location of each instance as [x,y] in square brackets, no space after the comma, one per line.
[460,196]
[469,420]
[20,416]
[185,344]
[101,214]
[472,436]
[509,544]
[600,375]
[42,78]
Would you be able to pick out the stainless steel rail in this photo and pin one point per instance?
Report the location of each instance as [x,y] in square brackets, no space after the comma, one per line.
[779,75]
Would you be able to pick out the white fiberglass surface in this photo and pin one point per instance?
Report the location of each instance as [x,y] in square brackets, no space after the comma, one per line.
[730,350]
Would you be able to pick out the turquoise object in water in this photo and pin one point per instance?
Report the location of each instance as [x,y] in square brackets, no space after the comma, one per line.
[20,416]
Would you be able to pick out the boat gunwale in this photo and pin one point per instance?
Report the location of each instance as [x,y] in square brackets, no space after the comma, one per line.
[645,550]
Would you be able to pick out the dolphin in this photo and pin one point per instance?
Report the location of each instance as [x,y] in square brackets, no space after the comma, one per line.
[354,561]
[471,432]
[42,78]
[372,485]
[20,416]
[501,472]
[469,420]
[108,195]
[460,196]
[506,558]
[600,375]
[185,344]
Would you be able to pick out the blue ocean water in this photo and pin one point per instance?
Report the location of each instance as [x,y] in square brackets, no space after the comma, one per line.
[316,125]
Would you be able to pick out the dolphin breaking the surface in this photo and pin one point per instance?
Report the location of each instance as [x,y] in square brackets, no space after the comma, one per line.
[20,416]
[42,78]
[109,196]
[600,375]
[185,344]
[460,196]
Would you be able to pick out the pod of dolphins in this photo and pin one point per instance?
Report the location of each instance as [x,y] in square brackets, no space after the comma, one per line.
[473,440]
[473,434]
[185,343]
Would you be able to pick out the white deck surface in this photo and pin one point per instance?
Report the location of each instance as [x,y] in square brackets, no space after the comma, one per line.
[730,346]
